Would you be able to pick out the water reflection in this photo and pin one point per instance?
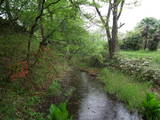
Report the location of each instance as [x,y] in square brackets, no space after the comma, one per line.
[96,105]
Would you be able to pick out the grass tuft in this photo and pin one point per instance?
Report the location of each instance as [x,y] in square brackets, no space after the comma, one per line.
[125,88]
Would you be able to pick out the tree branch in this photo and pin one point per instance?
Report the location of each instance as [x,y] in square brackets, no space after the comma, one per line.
[52,4]
[33,28]
[121,9]
[38,17]
[107,20]
[121,25]
[99,14]
[109,11]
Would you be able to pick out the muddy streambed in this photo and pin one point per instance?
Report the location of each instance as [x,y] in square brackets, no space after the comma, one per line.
[90,102]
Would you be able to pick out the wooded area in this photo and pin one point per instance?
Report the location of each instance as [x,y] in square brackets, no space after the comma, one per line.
[49,57]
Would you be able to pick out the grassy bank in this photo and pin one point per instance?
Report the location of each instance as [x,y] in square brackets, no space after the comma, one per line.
[153,56]
[29,97]
[125,88]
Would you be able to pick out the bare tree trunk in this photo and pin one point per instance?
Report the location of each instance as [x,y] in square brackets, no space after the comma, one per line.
[145,43]
[114,40]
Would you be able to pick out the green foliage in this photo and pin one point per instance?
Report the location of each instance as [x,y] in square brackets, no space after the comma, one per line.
[132,41]
[24,10]
[145,35]
[9,43]
[124,88]
[151,107]
[139,68]
[33,115]
[59,112]
[65,38]
[142,64]
[153,44]
[94,51]
[149,28]
[16,103]
[152,56]
[152,24]
[55,88]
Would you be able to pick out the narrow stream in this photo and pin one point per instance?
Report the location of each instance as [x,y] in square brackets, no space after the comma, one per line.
[94,104]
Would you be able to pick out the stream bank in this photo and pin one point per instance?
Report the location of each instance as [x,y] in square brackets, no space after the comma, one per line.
[90,102]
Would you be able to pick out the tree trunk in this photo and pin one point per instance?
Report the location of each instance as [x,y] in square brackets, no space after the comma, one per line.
[113,41]
[43,42]
[145,43]
[32,30]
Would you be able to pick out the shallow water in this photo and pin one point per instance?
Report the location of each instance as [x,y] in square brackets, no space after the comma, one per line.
[94,104]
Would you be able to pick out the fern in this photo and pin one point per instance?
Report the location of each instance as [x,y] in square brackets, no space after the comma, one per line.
[151,107]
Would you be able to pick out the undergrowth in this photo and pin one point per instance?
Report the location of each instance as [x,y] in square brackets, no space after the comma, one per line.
[20,98]
[153,56]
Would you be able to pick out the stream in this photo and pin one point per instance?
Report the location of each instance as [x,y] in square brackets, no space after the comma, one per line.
[91,103]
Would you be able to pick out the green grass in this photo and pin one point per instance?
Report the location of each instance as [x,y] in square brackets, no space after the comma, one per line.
[125,88]
[154,56]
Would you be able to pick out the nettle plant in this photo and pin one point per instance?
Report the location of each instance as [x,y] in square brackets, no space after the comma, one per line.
[139,68]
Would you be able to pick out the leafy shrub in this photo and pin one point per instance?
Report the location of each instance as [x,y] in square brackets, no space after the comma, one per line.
[96,60]
[151,108]
[153,44]
[139,68]
[129,65]
[132,41]
[59,112]
[146,34]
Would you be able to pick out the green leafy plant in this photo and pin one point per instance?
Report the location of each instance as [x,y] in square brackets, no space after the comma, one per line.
[151,107]
[59,112]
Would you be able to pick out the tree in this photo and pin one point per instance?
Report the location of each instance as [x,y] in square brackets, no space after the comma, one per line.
[115,8]
[132,41]
[149,30]
[153,44]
